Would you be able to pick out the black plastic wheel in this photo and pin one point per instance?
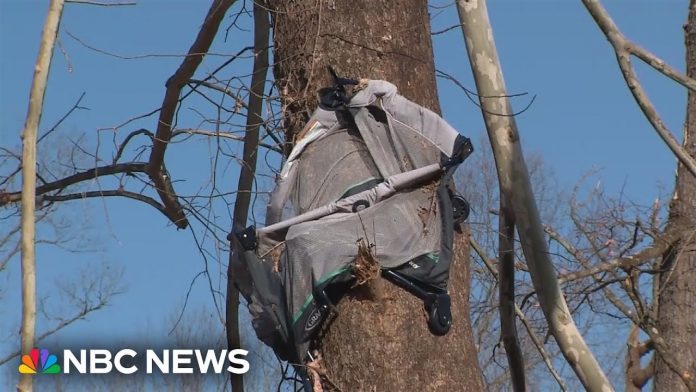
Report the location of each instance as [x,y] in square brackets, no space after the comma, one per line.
[460,209]
[439,316]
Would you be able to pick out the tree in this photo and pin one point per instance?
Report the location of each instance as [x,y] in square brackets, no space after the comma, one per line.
[668,323]
[518,208]
[677,280]
[29,140]
[378,344]
[254,121]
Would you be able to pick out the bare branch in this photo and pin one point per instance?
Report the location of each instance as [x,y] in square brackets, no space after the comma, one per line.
[128,138]
[655,250]
[117,192]
[608,293]
[66,115]
[623,44]
[639,318]
[506,286]
[119,168]
[224,90]
[139,56]
[223,135]
[520,314]
[170,103]
[660,65]
[132,167]
[80,315]
[446,29]
[624,49]
[540,347]
[636,375]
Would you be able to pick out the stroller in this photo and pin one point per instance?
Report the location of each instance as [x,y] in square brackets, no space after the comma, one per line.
[369,177]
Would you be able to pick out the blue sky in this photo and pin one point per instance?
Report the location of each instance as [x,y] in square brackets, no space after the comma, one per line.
[583,119]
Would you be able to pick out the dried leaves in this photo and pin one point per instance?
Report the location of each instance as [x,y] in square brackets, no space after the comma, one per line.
[366,267]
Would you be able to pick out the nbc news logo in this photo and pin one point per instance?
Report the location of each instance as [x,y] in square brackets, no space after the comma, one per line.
[99,361]
[39,361]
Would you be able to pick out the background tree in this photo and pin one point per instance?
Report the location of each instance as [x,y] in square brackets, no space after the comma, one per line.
[254,121]
[666,322]
[518,208]
[677,279]
[29,140]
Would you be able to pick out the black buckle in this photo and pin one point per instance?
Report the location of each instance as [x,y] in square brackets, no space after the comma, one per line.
[336,97]
[463,148]
[247,238]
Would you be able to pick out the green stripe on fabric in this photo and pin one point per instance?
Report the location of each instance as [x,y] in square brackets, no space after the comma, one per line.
[311,296]
[433,256]
[361,183]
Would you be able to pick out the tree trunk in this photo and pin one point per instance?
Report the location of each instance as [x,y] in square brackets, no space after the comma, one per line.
[29,136]
[516,192]
[381,344]
[247,173]
[676,320]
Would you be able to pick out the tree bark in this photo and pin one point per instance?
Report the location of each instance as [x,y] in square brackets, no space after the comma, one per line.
[381,344]
[676,321]
[516,191]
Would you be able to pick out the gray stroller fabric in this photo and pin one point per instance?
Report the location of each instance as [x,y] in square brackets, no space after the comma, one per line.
[369,174]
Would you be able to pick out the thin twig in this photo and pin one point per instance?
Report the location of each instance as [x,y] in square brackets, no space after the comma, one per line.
[237,100]
[66,115]
[110,193]
[57,328]
[224,135]
[128,138]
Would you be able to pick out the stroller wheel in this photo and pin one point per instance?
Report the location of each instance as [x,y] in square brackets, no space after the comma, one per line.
[439,315]
[460,209]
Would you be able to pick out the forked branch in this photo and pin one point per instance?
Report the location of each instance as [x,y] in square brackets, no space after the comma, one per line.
[170,103]
[624,49]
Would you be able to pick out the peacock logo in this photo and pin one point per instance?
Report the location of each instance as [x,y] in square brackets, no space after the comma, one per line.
[39,361]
